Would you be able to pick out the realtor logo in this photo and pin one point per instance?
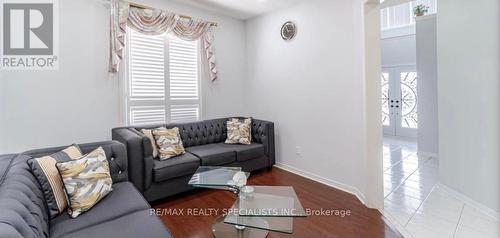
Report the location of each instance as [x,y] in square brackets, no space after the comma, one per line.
[29,35]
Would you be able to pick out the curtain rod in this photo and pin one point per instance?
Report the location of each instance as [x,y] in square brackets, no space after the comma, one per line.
[133,4]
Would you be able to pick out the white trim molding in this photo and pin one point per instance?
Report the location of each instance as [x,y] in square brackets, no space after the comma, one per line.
[398,32]
[328,182]
[470,202]
[390,3]
[426,17]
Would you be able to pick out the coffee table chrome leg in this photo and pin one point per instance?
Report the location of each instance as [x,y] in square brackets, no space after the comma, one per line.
[239,227]
[224,230]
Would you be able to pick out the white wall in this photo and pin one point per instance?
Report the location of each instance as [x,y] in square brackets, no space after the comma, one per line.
[399,50]
[2,112]
[312,88]
[79,102]
[468,96]
[76,103]
[427,85]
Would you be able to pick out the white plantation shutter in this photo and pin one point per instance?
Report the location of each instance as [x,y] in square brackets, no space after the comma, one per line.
[141,115]
[163,80]
[184,113]
[184,88]
[146,74]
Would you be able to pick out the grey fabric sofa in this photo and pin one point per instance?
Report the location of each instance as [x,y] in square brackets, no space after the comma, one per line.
[204,143]
[122,213]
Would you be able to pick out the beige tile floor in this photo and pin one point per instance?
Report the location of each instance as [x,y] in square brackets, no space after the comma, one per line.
[418,206]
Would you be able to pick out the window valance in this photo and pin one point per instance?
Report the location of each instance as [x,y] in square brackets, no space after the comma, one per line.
[156,22]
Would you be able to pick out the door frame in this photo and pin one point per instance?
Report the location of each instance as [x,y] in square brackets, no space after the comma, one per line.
[395,100]
[400,130]
[391,128]
[372,143]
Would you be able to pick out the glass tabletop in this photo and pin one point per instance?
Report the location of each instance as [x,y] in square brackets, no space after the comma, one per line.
[215,177]
[269,208]
[279,224]
[270,201]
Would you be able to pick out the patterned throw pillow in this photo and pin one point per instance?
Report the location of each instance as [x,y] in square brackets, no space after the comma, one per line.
[239,131]
[44,169]
[87,181]
[149,135]
[169,142]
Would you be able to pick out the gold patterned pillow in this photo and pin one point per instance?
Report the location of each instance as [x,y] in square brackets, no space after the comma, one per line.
[239,131]
[149,134]
[169,142]
[87,180]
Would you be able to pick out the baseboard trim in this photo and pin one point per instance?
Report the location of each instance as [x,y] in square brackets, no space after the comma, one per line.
[428,154]
[471,202]
[328,182]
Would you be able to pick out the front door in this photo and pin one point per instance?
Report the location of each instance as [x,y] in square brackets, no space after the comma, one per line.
[399,101]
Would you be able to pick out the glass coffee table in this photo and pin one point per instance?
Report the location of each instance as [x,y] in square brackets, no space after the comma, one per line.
[256,210]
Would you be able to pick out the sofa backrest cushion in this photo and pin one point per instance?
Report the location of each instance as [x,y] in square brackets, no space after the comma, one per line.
[208,131]
[196,133]
[23,210]
[202,132]
[116,153]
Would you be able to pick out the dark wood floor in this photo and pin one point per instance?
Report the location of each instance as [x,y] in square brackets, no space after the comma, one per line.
[363,222]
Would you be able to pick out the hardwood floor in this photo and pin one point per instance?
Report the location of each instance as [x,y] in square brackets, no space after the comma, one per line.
[363,222]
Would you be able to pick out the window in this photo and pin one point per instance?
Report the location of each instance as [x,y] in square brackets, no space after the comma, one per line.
[402,15]
[163,79]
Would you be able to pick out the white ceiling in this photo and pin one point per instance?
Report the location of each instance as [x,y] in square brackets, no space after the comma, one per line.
[241,9]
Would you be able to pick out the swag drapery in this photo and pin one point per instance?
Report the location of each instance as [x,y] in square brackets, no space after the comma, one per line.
[156,22]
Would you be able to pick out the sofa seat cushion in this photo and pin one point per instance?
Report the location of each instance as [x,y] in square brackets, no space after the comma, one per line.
[246,152]
[185,164]
[138,224]
[124,199]
[213,154]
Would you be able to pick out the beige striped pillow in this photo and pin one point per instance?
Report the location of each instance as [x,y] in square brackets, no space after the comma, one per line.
[44,169]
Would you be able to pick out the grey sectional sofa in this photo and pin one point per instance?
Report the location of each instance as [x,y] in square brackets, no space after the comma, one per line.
[124,213]
[204,143]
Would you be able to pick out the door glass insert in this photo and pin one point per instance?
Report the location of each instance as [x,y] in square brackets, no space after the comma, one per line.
[386,120]
[409,100]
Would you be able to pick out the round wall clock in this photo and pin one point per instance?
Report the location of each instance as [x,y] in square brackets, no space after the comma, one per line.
[288,30]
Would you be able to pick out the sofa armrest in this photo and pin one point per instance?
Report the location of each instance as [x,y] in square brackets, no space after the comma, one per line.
[140,159]
[263,132]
